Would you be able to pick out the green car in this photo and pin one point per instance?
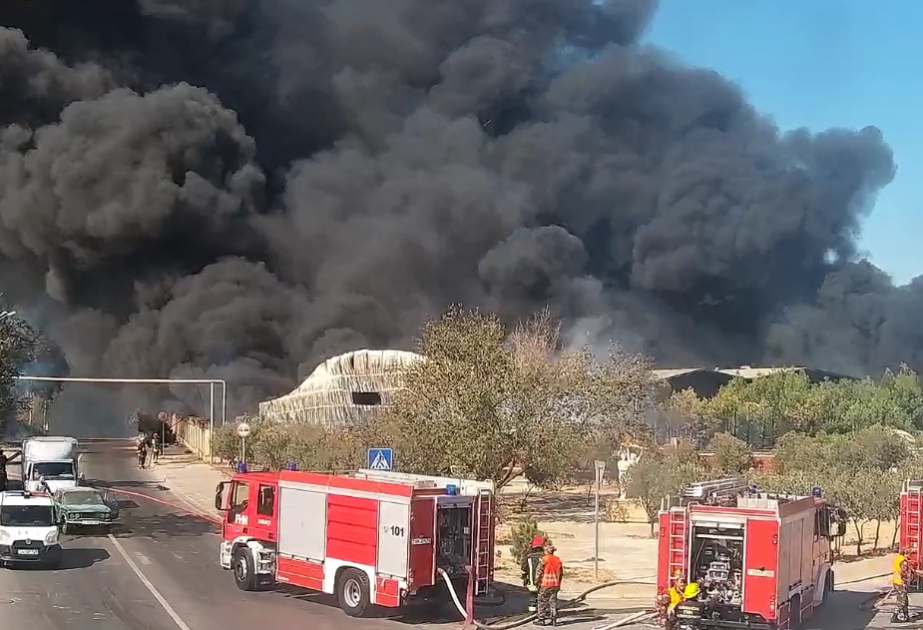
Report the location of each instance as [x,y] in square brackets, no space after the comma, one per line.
[85,507]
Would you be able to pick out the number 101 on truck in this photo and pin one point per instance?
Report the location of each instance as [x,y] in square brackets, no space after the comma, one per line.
[369,537]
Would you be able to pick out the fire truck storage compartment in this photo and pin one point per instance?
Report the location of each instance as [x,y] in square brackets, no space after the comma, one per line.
[717,556]
[453,534]
[315,525]
[302,523]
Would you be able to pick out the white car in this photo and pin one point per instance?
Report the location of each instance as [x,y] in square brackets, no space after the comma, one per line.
[28,530]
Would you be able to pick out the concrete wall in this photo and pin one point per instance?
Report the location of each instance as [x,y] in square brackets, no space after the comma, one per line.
[193,433]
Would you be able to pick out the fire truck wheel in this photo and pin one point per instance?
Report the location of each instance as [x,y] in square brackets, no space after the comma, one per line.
[244,572]
[353,592]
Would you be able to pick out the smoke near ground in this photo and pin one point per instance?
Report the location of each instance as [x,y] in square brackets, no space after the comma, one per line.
[241,188]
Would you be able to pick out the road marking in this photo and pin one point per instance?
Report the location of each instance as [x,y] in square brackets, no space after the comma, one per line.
[160,598]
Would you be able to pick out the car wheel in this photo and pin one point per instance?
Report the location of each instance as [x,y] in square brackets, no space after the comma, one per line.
[244,572]
[353,592]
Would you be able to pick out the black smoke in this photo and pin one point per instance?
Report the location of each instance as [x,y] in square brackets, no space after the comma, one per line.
[241,188]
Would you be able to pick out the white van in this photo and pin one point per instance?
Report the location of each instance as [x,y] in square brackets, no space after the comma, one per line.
[28,530]
[50,461]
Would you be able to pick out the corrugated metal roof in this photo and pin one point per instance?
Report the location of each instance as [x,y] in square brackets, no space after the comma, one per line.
[745,371]
[667,374]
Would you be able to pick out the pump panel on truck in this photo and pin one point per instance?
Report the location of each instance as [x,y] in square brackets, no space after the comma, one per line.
[370,537]
[761,561]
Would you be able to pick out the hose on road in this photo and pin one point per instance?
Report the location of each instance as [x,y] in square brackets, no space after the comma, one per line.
[638,616]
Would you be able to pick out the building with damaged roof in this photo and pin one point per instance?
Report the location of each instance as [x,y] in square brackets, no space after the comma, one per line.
[344,389]
[706,382]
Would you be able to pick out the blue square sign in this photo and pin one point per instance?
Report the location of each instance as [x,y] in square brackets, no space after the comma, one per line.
[381,459]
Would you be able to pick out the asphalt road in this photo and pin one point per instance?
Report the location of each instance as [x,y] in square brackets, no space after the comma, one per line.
[158,571]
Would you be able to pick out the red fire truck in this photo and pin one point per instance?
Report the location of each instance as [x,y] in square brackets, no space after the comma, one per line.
[762,561]
[370,537]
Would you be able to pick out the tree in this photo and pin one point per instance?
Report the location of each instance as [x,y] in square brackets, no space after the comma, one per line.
[658,474]
[860,472]
[686,415]
[309,447]
[761,410]
[490,401]
[732,455]
[872,448]
[20,346]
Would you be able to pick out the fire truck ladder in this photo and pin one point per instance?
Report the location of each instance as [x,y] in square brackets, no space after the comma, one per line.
[483,533]
[678,535]
[715,488]
[911,519]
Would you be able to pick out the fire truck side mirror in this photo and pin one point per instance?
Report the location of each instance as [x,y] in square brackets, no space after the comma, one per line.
[222,496]
[837,529]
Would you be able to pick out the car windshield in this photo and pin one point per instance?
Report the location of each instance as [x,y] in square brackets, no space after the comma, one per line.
[82,497]
[26,516]
[54,470]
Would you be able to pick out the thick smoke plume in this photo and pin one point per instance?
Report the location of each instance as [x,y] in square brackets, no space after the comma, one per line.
[241,188]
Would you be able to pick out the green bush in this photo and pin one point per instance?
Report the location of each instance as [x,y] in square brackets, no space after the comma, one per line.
[225,443]
[732,455]
[521,535]
[310,447]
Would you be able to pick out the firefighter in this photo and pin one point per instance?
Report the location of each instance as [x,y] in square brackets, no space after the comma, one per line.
[683,593]
[551,571]
[676,591]
[675,594]
[155,447]
[662,604]
[142,453]
[530,576]
[902,573]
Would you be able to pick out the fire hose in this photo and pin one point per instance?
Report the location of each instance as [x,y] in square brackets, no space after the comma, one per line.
[637,617]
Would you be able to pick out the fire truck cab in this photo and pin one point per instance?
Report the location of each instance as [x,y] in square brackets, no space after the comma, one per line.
[762,561]
[370,537]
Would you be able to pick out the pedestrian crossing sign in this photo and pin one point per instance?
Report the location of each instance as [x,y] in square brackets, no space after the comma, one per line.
[381,459]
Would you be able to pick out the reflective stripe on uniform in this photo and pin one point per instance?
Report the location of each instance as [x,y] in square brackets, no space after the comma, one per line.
[551,572]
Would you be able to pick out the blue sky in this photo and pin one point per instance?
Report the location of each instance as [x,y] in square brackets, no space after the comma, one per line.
[820,64]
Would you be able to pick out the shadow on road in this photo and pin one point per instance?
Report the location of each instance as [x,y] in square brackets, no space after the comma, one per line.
[82,557]
[843,611]
[164,525]
[437,611]
[73,558]
[415,614]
